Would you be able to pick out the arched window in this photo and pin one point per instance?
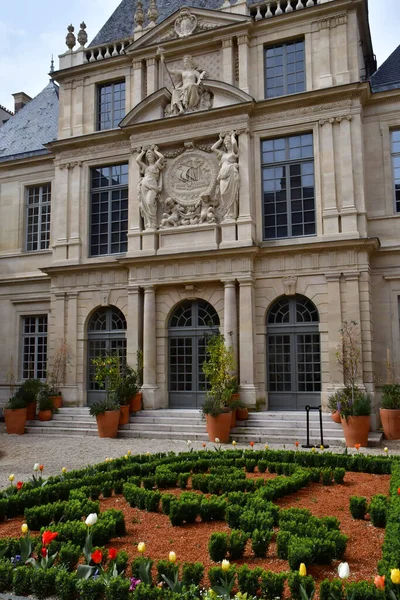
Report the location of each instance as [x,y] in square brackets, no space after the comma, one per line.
[293,354]
[106,335]
[189,325]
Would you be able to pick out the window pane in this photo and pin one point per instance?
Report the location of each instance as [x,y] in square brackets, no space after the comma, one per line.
[38,212]
[111,105]
[34,347]
[284,69]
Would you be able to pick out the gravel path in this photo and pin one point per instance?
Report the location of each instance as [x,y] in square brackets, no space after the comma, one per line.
[19,453]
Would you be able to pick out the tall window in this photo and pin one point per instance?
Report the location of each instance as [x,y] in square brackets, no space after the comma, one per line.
[288,187]
[34,347]
[109,210]
[396,167]
[285,69]
[38,209]
[110,105]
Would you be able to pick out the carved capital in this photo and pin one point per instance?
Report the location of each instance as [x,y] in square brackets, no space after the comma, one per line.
[137,64]
[243,39]
[150,62]
[227,42]
[105,298]
[332,21]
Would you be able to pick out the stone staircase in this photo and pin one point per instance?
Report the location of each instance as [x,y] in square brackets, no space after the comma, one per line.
[262,427]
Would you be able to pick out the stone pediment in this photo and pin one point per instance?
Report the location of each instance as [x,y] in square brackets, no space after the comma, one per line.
[184,23]
[153,107]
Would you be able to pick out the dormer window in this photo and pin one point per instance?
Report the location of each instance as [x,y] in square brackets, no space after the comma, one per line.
[110,105]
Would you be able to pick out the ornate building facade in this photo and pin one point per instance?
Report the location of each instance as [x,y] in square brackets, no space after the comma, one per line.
[215,167]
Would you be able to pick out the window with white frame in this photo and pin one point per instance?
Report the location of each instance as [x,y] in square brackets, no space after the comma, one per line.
[38,213]
[34,347]
[285,69]
[288,187]
[396,168]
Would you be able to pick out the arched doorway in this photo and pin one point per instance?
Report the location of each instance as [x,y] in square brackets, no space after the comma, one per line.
[293,354]
[106,335]
[190,324]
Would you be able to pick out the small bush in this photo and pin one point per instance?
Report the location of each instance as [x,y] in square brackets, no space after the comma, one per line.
[260,541]
[378,510]
[237,543]
[272,585]
[358,507]
[338,475]
[69,554]
[218,546]
[295,580]
[117,589]
[66,585]
[43,583]
[22,581]
[249,580]
[300,550]
[192,573]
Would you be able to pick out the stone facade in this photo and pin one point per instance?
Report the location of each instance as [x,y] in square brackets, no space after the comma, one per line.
[195,212]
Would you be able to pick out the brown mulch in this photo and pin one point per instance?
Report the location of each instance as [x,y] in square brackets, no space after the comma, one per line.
[190,542]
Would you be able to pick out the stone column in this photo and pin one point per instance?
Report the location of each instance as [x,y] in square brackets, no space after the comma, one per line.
[248,390]
[149,347]
[349,211]
[342,48]
[74,241]
[134,327]
[244,62]
[245,221]
[227,60]
[324,58]
[230,317]
[334,325]
[329,208]
[59,224]
[152,76]
[138,81]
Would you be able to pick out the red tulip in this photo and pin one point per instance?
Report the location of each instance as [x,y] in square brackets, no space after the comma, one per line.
[44,552]
[398,491]
[357,446]
[297,444]
[48,537]
[97,556]
[204,444]
[251,444]
[112,554]
[41,467]
[379,582]
[19,485]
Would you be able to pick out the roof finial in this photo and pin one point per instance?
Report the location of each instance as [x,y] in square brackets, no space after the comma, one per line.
[51,66]
[152,13]
[70,40]
[139,15]
[82,35]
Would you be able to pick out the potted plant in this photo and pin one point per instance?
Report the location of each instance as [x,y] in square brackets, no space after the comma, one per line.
[218,369]
[107,413]
[333,406]
[390,404]
[125,390]
[55,376]
[28,392]
[136,399]
[242,412]
[45,404]
[15,415]
[355,411]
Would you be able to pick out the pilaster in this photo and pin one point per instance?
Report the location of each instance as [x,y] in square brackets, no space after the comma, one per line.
[72,392]
[138,82]
[349,210]
[334,325]
[149,387]
[230,317]
[59,215]
[245,221]
[152,76]
[74,241]
[227,61]
[330,211]
[324,57]
[248,390]
[133,318]
[244,62]
[134,244]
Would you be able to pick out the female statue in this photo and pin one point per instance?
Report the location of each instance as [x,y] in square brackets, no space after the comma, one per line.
[228,176]
[150,184]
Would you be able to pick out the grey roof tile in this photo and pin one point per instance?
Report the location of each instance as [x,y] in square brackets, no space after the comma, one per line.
[387,77]
[34,125]
[121,23]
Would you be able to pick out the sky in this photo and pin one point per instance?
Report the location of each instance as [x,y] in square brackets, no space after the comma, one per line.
[32,30]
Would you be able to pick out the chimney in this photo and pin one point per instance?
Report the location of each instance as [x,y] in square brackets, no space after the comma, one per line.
[20,99]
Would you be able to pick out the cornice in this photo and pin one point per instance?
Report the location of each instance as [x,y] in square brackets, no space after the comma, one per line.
[30,160]
[95,140]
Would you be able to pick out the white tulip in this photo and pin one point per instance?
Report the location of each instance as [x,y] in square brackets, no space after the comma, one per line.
[217,440]
[91,519]
[36,467]
[343,570]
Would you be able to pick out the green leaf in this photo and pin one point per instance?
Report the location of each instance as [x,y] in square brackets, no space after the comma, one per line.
[84,571]
[25,545]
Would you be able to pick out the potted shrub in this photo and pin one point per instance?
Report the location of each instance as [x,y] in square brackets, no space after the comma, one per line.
[242,412]
[55,376]
[28,392]
[125,390]
[136,399]
[15,415]
[218,369]
[333,406]
[107,413]
[45,404]
[355,411]
[390,411]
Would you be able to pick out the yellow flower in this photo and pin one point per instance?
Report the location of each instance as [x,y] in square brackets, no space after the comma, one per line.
[233,443]
[129,453]
[24,528]
[225,565]
[386,449]
[302,570]
[126,456]
[172,557]
[147,453]
[266,446]
[313,449]
[11,477]
[64,470]
[141,547]
[395,576]
[321,447]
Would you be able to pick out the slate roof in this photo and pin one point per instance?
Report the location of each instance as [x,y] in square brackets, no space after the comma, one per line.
[121,23]
[387,77]
[34,125]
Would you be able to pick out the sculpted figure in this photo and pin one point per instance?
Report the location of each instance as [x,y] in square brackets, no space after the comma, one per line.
[150,184]
[227,151]
[171,217]
[207,213]
[188,87]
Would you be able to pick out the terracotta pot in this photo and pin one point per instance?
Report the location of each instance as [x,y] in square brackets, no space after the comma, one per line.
[390,419]
[15,419]
[124,414]
[136,402]
[233,418]
[219,427]
[356,430]
[31,411]
[242,414]
[57,401]
[335,416]
[107,424]
[45,415]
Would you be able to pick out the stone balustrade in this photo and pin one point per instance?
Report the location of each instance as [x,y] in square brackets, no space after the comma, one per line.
[106,51]
[275,8]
